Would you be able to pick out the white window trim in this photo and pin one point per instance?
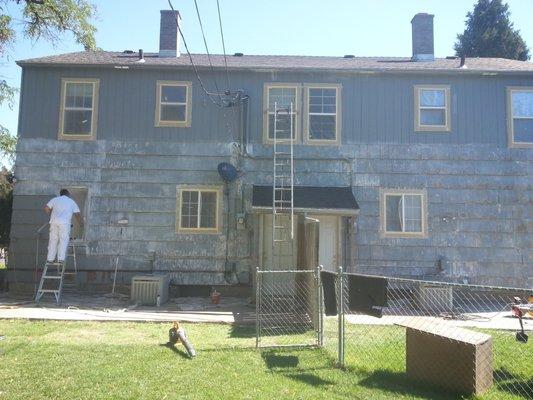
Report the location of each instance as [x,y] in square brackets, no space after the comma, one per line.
[510,117]
[338,89]
[94,109]
[199,188]
[383,193]
[433,128]
[267,112]
[187,104]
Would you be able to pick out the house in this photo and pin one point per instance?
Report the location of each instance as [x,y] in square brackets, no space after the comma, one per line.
[416,167]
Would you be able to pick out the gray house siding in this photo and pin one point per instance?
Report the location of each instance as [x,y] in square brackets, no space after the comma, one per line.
[479,191]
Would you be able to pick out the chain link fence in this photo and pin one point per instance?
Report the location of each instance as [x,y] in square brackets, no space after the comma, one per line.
[463,338]
[287,308]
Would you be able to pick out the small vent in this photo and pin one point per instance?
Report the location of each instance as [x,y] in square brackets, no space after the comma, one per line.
[146,288]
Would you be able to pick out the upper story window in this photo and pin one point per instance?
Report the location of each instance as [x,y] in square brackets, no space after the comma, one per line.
[281,96]
[520,116]
[198,209]
[173,104]
[403,213]
[432,108]
[322,123]
[79,107]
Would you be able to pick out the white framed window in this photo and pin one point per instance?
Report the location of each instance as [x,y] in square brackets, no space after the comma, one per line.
[79,108]
[432,108]
[282,95]
[198,209]
[403,213]
[520,116]
[173,104]
[322,117]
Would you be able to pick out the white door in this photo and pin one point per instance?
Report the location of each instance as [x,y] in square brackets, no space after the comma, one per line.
[328,241]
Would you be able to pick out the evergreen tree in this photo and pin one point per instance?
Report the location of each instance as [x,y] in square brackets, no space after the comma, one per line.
[490,33]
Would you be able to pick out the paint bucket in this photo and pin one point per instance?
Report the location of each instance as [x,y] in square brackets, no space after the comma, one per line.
[215,297]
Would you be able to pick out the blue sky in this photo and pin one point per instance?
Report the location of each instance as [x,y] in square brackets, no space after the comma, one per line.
[303,27]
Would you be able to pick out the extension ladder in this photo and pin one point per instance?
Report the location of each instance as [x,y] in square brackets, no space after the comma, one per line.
[53,276]
[283,182]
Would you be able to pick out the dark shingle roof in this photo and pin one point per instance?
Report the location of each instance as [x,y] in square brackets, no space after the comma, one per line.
[258,62]
[315,197]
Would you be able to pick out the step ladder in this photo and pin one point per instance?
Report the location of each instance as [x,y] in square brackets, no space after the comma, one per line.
[53,276]
[283,180]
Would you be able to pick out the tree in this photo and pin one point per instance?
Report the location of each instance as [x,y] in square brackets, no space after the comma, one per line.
[41,19]
[490,33]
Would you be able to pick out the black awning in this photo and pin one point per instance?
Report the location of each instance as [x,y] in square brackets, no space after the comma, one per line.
[310,197]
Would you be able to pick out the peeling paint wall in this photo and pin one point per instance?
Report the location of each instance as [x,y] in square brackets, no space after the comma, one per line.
[479,192]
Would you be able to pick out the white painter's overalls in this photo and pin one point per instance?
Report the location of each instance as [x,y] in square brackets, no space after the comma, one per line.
[60,219]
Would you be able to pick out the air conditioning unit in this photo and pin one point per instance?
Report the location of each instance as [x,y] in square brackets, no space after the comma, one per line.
[435,298]
[146,288]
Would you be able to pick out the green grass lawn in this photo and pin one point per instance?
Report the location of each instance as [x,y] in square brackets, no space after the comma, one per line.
[117,360]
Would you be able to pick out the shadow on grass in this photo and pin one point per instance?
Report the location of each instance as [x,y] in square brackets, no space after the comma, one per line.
[517,385]
[274,360]
[398,382]
[242,331]
[309,379]
[175,349]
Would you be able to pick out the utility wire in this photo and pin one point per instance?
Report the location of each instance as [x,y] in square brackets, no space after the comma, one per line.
[191,60]
[223,44]
[207,50]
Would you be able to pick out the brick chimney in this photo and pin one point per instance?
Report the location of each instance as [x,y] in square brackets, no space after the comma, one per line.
[169,36]
[422,27]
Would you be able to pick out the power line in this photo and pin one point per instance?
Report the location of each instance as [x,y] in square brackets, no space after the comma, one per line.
[223,44]
[191,60]
[207,50]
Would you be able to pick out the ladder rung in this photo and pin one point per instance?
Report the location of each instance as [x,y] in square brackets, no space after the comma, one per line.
[51,277]
[282,153]
[49,291]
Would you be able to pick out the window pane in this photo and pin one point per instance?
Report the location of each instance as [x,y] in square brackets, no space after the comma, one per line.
[79,95]
[174,94]
[189,209]
[413,213]
[523,130]
[208,213]
[392,213]
[77,122]
[322,127]
[322,100]
[432,98]
[523,104]
[283,96]
[283,126]
[172,112]
[433,117]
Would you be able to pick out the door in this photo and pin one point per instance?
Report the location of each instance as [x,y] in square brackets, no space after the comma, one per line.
[328,241]
[283,255]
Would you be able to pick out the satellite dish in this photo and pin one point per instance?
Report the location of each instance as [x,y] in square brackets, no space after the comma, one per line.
[227,172]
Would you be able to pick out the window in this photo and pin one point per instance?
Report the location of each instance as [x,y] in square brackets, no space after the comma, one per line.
[322,120]
[432,108]
[403,213]
[281,95]
[520,118]
[173,106]
[79,106]
[79,195]
[198,209]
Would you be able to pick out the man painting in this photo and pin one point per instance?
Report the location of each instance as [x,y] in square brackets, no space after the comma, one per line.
[60,209]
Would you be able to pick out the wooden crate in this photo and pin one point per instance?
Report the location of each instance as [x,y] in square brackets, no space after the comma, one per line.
[453,358]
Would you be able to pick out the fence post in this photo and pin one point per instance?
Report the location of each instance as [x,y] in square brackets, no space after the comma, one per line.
[258,279]
[340,313]
[319,305]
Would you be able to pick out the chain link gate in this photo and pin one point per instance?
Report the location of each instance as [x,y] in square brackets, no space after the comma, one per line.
[288,308]
[422,321]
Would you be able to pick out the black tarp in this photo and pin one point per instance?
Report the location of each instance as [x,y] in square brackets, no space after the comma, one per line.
[328,288]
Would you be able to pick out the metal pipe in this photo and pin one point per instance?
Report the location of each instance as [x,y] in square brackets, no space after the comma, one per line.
[320,314]
[257,307]
[340,313]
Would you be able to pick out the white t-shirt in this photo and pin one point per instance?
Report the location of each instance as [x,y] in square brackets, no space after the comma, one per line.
[62,209]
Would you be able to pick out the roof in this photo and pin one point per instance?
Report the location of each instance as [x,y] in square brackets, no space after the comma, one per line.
[310,197]
[279,62]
